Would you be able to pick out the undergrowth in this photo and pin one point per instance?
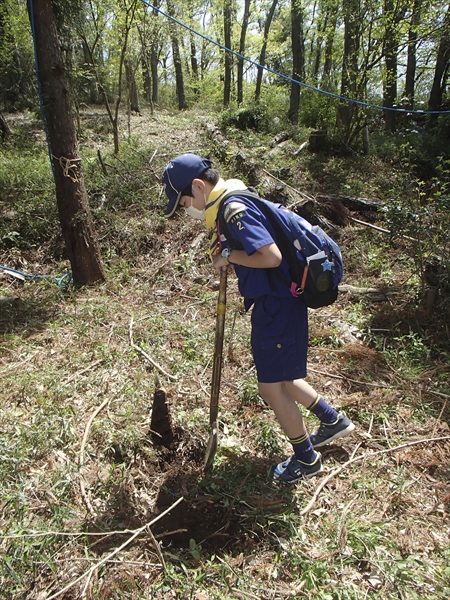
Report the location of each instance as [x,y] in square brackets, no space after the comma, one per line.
[81,468]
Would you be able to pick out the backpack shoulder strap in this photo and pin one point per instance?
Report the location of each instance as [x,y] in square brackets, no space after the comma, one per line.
[285,245]
[222,225]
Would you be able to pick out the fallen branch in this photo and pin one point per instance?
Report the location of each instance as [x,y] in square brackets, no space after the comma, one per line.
[158,550]
[81,457]
[306,197]
[440,394]
[383,293]
[103,534]
[145,355]
[15,366]
[378,385]
[136,532]
[369,384]
[403,237]
[359,458]
[75,375]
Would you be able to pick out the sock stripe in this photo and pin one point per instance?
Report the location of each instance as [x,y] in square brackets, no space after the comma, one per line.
[300,439]
[314,403]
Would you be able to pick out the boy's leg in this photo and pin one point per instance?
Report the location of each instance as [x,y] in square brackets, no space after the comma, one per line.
[305,462]
[307,396]
[333,425]
[285,408]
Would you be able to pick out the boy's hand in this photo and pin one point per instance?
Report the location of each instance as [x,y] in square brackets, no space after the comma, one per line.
[219,261]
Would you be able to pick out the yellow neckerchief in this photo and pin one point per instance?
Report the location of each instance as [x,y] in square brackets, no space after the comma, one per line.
[212,206]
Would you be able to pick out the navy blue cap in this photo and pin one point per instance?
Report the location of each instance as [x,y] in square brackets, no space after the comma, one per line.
[179,174]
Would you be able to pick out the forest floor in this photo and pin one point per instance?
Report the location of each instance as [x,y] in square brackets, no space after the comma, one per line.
[85,485]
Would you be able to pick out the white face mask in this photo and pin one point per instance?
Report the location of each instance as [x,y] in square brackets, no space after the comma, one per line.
[196,213]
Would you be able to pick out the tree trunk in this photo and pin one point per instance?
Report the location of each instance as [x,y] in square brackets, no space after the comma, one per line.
[155,46]
[390,51]
[298,59]
[154,59]
[347,111]
[328,61]
[410,77]
[4,128]
[146,76]
[133,97]
[181,94]
[94,94]
[442,66]
[227,26]
[194,64]
[262,56]
[73,207]
[321,29]
[240,65]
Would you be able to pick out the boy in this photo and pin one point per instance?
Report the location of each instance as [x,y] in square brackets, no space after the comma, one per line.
[279,320]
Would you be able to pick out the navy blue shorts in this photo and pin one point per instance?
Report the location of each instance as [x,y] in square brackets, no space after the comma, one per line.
[279,338]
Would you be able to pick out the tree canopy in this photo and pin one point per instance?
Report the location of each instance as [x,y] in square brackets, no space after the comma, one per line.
[387,54]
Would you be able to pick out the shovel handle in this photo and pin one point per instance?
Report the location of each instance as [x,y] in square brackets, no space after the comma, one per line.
[218,346]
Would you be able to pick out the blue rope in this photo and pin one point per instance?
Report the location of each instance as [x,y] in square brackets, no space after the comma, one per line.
[61,281]
[301,83]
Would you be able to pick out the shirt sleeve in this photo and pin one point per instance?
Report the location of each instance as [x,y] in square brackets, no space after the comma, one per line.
[248,225]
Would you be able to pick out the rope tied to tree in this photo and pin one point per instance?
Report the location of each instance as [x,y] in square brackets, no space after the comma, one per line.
[67,165]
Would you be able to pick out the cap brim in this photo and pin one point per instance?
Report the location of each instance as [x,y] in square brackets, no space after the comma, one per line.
[174,200]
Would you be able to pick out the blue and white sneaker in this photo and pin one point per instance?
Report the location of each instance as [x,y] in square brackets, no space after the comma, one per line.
[293,470]
[327,433]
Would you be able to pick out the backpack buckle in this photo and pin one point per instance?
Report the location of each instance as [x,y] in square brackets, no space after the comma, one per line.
[295,289]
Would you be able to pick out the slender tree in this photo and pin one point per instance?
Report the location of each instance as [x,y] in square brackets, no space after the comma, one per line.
[442,66]
[73,207]
[240,65]
[125,28]
[227,30]
[411,63]
[181,94]
[298,58]
[133,94]
[392,15]
[262,56]
[329,45]
[346,111]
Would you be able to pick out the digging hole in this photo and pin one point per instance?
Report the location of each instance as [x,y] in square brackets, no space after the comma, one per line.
[198,517]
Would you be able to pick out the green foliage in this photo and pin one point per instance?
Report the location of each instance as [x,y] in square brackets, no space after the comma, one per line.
[423,214]
[252,117]
[317,110]
[17,68]
[27,201]
[267,440]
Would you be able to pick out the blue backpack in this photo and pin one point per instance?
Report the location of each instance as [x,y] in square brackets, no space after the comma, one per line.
[314,259]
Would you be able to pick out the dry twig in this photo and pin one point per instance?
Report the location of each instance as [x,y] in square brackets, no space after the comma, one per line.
[145,355]
[75,375]
[403,237]
[158,549]
[81,457]
[136,532]
[359,458]
[378,385]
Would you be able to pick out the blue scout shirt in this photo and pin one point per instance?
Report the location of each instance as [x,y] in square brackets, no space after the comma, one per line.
[253,230]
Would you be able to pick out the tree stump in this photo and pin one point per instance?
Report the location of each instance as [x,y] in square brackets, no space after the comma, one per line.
[318,140]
